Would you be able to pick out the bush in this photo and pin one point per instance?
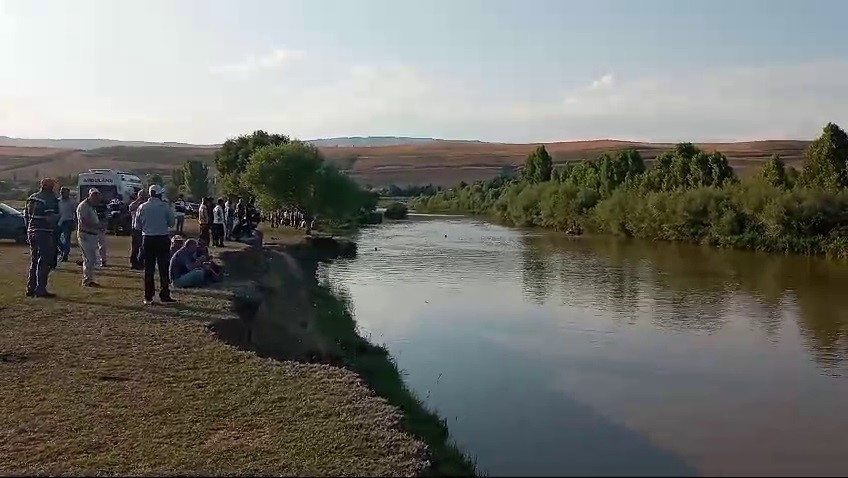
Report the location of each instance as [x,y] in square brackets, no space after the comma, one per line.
[396,210]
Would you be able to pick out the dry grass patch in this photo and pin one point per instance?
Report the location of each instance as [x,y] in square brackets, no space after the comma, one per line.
[95,382]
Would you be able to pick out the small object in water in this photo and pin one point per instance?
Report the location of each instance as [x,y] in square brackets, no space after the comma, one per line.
[446,235]
[375,248]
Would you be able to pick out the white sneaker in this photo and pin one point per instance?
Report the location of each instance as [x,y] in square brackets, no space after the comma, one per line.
[148,302]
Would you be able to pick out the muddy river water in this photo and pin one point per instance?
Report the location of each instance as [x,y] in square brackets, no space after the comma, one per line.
[551,355]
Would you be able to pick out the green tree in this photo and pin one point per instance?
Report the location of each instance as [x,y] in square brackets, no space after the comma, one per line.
[155,178]
[538,166]
[826,160]
[773,172]
[178,176]
[196,178]
[283,175]
[235,154]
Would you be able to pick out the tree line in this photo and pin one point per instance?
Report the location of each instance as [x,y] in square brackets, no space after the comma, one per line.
[686,195]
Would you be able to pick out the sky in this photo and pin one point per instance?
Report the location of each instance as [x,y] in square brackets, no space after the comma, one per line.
[201,71]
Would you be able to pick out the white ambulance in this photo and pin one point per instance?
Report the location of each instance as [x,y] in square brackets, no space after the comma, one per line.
[111,184]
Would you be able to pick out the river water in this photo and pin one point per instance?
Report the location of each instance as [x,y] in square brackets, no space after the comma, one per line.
[551,355]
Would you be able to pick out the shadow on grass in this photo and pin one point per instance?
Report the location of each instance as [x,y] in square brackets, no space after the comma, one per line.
[157,309]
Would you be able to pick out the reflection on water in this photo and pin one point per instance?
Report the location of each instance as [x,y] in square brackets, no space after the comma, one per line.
[558,355]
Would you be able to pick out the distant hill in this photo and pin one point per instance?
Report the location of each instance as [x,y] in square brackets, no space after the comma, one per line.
[402,161]
[84,144]
[89,144]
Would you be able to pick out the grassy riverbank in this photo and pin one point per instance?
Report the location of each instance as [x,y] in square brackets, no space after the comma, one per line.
[95,382]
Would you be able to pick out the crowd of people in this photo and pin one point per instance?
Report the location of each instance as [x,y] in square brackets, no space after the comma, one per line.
[294,218]
[157,239]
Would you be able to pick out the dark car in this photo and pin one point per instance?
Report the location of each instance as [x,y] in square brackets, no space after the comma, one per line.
[12,225]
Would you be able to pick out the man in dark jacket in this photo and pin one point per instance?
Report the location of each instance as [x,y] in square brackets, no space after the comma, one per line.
[41,215]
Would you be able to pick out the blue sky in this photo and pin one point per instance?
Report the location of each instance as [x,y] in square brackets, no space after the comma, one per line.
[497,70]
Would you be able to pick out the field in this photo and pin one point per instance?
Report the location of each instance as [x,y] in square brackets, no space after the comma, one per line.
[440,162]
[96,382]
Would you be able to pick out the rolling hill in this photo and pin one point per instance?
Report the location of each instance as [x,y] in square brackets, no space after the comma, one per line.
[428,161]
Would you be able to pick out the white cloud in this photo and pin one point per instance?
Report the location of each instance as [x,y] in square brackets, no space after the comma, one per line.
[756,102]
[772,101]
[275,59]
[603,82]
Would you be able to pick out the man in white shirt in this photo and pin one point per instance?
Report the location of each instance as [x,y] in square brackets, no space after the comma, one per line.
[219,220]
[155,219]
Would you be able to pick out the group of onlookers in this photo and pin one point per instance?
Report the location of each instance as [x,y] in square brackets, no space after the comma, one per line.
[294,218]
[181,262]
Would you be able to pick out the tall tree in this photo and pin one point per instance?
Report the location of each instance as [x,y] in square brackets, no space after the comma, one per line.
[178,176]
[774,172]
[233,157]
[196,178]
[539,165]
[826,160]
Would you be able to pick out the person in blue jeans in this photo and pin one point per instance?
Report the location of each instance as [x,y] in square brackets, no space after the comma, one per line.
[185,270]
[67,222]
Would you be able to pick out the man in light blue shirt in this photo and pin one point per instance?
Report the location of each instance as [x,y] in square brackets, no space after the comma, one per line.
[155,220]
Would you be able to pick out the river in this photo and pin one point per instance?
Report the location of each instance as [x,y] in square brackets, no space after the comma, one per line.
[552,355]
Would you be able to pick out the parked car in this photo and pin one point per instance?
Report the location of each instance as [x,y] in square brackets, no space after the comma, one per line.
[12,225]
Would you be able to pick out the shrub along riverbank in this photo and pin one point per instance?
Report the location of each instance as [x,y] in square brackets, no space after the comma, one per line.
[686,195]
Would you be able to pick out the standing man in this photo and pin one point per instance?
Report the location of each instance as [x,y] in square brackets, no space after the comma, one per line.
[103,216]
[218,222]
[155,219]
[179,213]
[229,213]
[88,233]
[40,215]
[67,222]
[136,261]
[204,213]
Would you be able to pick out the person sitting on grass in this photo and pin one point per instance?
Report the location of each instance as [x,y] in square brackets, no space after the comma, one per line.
[185,270]
[214,272]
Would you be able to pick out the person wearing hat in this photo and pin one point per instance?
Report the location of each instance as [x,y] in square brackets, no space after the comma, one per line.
[88,234]
[155,220]
[41,215]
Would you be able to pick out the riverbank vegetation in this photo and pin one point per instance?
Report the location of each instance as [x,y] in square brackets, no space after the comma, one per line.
[685,195]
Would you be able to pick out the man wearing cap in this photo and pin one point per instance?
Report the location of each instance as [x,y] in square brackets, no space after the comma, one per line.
[88,232]
[155,219]
[41,214]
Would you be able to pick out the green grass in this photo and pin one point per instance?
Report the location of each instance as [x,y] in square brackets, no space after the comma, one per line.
[377,368]
[95,382]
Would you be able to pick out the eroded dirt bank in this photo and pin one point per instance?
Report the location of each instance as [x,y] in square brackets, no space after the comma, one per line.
[284,314]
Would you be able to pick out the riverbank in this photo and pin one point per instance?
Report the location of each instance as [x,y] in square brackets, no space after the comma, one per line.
[286,315]
[95,382]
